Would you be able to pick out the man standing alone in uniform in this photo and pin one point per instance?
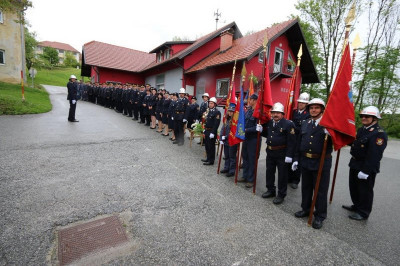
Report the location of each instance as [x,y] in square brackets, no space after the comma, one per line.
[211,125]
[366,151]
[72,97]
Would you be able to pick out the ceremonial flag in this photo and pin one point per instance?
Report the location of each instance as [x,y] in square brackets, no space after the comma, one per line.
[339,118]
[264,102]
[289,100]
[232,98]
[237,134]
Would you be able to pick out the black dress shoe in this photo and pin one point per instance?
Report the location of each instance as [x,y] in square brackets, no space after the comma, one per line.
[208,163]
[204,160]
[223,171]
[73,120]
[358,217]
[278,200]
[180,144]
[230,174]
[269,194]
[301,214]
[294,186]
[317,224]
[175,142]
[351,208]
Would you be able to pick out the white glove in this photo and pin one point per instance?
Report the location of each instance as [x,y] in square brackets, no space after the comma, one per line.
[288,160]
[197,121]
[172,118]
[223,137]
[294,166]
[361,175]
[184,120]
[221,142]
[326,131]
[73,101]
[259,128]
[211,136]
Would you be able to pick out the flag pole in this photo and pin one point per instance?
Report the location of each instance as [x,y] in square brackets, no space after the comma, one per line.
[356,44]
[261,109]
[237,165]
[220,156]
[289,101]
[321,166]
[349,19]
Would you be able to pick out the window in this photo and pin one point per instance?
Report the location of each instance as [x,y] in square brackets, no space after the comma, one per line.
[1,16]
[159,57]
[290,64]
[2,57]
[261,55]
[222,87]
[167,54]
[278,60]
[160,81]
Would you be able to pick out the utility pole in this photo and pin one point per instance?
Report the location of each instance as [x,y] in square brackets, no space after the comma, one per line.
[217,15]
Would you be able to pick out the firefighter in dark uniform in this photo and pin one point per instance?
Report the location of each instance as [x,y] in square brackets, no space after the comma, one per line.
[72,97]
[192,112]
[308,151]
[146,111]
[171,114]
[165,113]
[298,116]
[229,150]
[366,151]
[142,94]
[179,117]
[250,143]
[203,109]
[281,141]
[211,125]
[135,99]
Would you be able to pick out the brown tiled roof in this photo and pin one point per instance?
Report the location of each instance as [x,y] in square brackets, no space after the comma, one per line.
[116,57]
[58,45]
[199,42]
[242,48]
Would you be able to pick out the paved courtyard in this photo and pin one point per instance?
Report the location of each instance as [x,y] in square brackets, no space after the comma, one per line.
[177,211]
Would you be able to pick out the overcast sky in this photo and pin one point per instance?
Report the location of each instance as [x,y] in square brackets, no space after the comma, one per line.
[145,24]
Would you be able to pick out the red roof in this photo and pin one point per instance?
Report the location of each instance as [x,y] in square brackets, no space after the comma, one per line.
[243,47]
[116,57]
[58,45]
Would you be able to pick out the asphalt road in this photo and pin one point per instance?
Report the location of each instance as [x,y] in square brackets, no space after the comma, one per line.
[53,173]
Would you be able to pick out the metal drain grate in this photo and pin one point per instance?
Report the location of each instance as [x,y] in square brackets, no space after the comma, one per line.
[81,240]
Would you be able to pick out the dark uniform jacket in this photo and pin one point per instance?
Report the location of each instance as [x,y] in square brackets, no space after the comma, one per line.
[171,109]
[250,124]
[146,101]
[72,91]
[203,108]
[225,130]
[166,104]
[160,104]
[281,139]
[298,118]
[180,109]
[367,149]
[192,112]
[212,121]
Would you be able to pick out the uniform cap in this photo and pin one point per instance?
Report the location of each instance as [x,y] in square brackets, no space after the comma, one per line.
[254,96]
[206,95]
[372,111]
[182,90]
[304,98]
[213,99]
[72,77]
[278,107]
[232,107]
[316,101]
[194,98]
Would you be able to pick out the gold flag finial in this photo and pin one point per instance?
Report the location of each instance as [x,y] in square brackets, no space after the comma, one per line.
[265,42]
[357,42]
[244,71]
[352,14]
[300,53]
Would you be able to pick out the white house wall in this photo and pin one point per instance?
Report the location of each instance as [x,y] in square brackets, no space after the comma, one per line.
[172,80]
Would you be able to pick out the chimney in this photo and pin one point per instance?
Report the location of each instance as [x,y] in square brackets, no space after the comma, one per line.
[226,41]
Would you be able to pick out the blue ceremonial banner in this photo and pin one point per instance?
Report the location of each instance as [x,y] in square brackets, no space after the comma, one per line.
[240,134]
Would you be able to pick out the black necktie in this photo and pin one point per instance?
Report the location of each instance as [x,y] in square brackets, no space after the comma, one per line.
[313,124]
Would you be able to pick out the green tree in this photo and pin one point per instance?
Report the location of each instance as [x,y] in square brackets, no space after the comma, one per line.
[325,21]
[51,55]
[15,5]
[30,46]
[70,60]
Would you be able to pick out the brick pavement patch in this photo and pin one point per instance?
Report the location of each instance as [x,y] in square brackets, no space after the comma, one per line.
[81,240]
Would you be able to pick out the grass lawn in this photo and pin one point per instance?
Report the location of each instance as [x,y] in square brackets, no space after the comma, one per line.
[55,76]
[36,100]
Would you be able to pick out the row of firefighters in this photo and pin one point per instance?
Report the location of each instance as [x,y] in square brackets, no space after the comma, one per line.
[293,147]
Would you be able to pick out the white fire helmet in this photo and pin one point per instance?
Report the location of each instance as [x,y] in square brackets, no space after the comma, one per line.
[278,107]
[304,98]
[371,110]
[316,101]
[213,99]
[206,95]
[72,77]
[182,90]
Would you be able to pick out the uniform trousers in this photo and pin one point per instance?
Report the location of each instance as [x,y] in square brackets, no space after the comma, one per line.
[72,108]
[276,159]
[135,111]
[178,130]
[141,111]
[309,178]
[210,146]
[249,157]
[362,192]
[230,158]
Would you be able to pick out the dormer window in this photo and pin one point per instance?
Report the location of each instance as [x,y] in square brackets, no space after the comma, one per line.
[159,57]
[291,64]
[167,54]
